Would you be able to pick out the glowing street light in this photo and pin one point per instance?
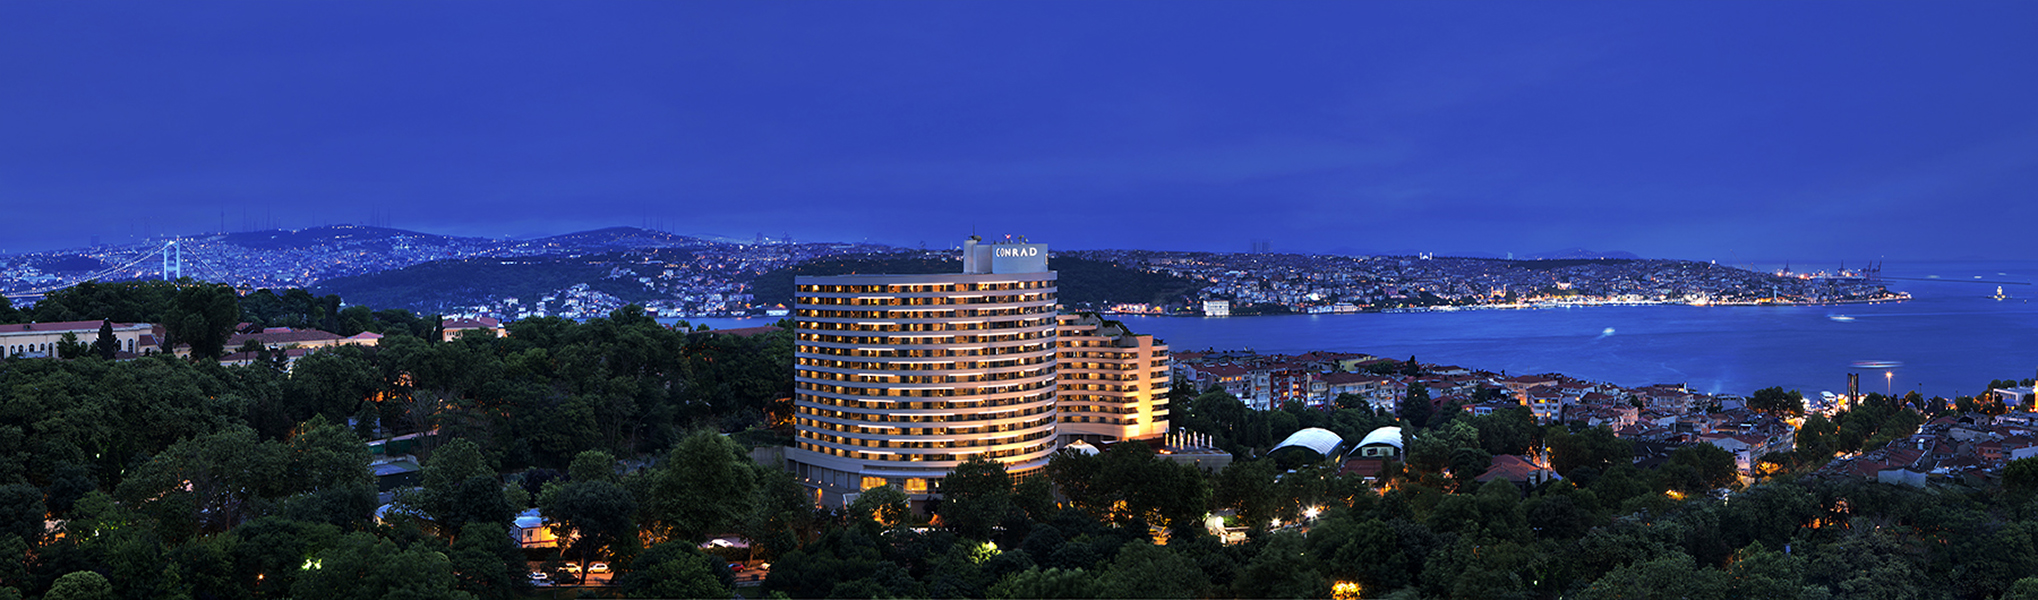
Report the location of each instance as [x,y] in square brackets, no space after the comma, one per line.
[1889,382]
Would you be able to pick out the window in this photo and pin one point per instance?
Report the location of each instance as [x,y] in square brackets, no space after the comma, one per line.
[873,482]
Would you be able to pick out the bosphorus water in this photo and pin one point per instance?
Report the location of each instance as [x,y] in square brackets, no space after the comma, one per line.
[1951,339]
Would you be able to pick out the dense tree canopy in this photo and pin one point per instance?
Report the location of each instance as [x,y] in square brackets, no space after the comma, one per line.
[175,478]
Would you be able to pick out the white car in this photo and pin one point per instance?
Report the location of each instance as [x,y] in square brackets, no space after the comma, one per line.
[597,567]
[539,578]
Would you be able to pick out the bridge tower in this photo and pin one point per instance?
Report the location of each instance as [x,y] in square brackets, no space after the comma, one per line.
[173,261]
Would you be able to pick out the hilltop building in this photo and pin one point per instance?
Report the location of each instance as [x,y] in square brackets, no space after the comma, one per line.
[900,378]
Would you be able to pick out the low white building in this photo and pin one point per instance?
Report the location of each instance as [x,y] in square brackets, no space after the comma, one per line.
[41,339]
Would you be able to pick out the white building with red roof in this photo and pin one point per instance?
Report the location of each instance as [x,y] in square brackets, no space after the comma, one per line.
[41,339]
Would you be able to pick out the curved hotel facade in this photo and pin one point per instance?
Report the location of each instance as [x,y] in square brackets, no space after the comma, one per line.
[900,378]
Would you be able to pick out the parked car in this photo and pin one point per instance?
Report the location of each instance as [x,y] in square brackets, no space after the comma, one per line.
[539,578]
[571,568]
[736,567]
[598,567]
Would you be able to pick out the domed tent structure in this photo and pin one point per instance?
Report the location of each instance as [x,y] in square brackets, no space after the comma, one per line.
[1321,441]
[1384,442]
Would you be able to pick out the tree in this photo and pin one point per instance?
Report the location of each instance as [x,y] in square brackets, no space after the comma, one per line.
[1415,407]
[1653,579]
[598,516]
[271,552]
[202,315]
[1247,487]
[2020,476]
[327,475]
[884,505]
[1776,400]
[459,486]
[1510,430]
[80,585]
[486,562]
[1594,447]
[22,512]
[975,497]
[361,565]
[674,570]
[208,484]
[705,487]
[1143,570]
[1700,468]
[2023,589]
[1050,583]
[106,345]
[783,517]
[69,348]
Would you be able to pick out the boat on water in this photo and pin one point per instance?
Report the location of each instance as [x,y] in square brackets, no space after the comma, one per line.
[1841,318]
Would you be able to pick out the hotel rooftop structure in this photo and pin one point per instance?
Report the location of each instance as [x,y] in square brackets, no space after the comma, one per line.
[900,378]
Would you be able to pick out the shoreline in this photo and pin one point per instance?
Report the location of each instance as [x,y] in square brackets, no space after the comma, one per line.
[1898,297]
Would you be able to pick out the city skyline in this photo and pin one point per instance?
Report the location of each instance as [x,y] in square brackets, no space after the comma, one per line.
[1785,131]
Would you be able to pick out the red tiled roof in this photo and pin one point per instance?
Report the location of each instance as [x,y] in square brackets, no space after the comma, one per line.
[59,326]
[1510,467]
[1363,467]
[481,323]
[287,336]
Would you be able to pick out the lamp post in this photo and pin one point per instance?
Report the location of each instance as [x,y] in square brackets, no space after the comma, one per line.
[1889,382]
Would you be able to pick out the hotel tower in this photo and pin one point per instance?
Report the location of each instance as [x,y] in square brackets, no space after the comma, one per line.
[900,378]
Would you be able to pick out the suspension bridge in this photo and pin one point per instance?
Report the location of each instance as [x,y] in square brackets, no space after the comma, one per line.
[171,254]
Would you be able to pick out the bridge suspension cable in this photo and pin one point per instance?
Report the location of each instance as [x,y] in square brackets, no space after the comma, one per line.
[102,273]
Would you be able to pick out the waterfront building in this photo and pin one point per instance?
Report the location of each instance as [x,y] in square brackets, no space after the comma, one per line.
[1113,383]
[900,378]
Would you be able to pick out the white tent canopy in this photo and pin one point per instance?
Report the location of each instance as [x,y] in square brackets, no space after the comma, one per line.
[1321,440]
[1385,435]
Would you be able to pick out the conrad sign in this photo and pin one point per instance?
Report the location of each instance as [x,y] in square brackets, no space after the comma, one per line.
[1003,257]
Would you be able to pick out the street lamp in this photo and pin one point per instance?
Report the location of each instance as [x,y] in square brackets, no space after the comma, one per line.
[1889,382]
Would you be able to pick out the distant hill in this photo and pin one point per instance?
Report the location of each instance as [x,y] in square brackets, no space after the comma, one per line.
[1577,253]
[70,263]
[1082,282]
[620,238]
[1559,263]
[331,235]
[439,285]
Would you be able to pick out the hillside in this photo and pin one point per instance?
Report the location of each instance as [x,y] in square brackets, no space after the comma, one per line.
[439,285]
[1083,282]
[382,238]
[619,238]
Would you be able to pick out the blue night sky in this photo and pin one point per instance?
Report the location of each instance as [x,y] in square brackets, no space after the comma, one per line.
[1714,130]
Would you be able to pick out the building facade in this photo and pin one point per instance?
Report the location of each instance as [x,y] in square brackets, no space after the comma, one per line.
[900,378]
[1113,383]
[41,339]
